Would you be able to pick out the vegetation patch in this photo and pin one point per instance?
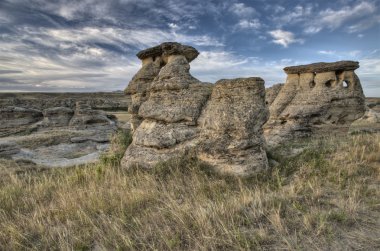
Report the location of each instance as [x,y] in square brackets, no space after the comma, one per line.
[326,196]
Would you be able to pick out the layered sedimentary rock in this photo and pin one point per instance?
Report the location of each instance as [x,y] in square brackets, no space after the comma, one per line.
[231,127]
[272,92]
[85,116]
[7,149]
[169,113]
[57,116]
[153,59]
[175,113]
[316,99]
[18,119]
[41,101]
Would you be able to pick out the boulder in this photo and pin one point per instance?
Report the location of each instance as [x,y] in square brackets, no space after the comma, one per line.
[316,99]
[231,127]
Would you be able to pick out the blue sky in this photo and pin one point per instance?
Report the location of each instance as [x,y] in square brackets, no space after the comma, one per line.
[90,45]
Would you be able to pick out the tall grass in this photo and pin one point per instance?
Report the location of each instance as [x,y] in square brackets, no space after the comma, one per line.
[326,197]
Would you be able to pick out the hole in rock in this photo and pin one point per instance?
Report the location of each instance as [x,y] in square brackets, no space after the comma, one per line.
[328,83]
[312,84]
[345,84]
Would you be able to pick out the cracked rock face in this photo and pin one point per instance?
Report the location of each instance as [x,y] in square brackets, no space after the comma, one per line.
[316,99]
[176,113]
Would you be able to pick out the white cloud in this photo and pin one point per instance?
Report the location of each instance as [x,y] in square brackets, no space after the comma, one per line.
[298,14]
[211,66]
[249,24]
[333,19]
[284,38]
[327,52]
[342,55]
[242,10]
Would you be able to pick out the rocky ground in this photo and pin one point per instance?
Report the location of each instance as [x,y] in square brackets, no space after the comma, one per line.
[59,129]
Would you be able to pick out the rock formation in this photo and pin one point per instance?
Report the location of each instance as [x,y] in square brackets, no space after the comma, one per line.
[231,127]
[174,113]
[85,116]
[7,149]
[272,92]
[167,102]
[17,119]
[316,99]
[57,116]
[153,59]
[41,101]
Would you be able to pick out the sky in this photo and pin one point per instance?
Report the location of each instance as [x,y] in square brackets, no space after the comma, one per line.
[90,45]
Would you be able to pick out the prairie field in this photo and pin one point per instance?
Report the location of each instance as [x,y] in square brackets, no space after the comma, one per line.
[326,196]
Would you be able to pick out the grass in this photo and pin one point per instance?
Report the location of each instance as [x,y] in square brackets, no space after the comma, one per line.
[325,198]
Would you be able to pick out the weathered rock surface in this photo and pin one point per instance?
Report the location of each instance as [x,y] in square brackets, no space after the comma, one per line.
[175,113]
[371,116]
[231,127]
[168,49]
[7,149]
[57,116]
[316,99]
[167,110]
[85,116]
[58,136]
[272,92]
[17,120]
[41,101]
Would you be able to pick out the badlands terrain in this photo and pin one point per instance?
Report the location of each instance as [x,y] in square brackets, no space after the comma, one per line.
[174,163]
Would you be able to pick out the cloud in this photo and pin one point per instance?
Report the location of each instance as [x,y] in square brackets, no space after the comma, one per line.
[284,38]
[249,24]
[327,52]
[242,10]
[298,14]
[333,19]
[80,59]
[213,65]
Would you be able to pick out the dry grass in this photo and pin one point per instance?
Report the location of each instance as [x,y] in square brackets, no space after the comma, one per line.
[327,197]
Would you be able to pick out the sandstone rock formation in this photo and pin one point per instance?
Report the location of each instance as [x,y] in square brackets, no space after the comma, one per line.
[41,101]
[272,92]
[57,116]
[153,59]
[7,149]
[85,116]
[231,127]
[175,113]
[316,99]
[17,119]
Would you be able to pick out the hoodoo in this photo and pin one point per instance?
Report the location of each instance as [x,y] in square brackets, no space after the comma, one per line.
[316,99]
[173,113]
